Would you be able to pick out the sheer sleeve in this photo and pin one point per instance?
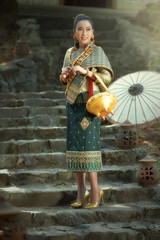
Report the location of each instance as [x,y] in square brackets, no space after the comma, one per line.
[105,76]
[64,65]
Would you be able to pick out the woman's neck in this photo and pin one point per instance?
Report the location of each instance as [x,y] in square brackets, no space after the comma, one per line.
[82,47]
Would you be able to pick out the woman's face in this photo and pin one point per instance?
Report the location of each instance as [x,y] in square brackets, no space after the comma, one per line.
[84,32]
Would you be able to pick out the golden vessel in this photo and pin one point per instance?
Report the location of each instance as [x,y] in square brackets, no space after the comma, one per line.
[101,104]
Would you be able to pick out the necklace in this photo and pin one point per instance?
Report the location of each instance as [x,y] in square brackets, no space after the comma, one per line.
[78,61]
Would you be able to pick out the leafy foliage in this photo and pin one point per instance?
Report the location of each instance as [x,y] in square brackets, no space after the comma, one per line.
[149,17]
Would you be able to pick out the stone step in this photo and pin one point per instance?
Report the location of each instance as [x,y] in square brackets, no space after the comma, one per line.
[52,113]
[28,133]
[33,146]
[45,10]
[109,213]
[60,176]
[63,121]
[20,177]
[122,157]
[20,122]
[57,160]
[49,85]
[46,195]
[49,145]
[138,230]
[40,120]
[32,102]
[39,160]
[65,24]
[33,132]
[54,94]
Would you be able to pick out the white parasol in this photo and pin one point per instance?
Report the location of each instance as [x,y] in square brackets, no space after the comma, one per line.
[138,98]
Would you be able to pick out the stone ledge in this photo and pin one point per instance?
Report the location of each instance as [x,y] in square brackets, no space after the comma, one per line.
[57,176]
[101,230]
[46,195]
[110,213]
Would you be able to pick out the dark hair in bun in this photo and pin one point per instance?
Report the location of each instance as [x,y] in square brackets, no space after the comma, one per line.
[80,17]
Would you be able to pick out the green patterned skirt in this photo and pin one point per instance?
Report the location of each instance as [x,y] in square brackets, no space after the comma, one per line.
[83,149]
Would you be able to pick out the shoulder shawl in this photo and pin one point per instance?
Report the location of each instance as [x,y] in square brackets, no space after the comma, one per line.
[96,59]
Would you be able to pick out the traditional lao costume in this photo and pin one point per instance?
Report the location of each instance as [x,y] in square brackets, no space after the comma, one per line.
[83,147]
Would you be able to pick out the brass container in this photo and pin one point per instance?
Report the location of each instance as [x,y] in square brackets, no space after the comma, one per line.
[148,174]
[101,104]
[127,136]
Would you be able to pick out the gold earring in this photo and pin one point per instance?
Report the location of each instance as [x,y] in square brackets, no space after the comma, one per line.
[92,38]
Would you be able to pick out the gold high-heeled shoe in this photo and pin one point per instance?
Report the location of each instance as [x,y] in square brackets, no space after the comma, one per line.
[80,204]
[96,204]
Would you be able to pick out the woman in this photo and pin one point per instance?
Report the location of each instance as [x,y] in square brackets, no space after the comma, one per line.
[83,65]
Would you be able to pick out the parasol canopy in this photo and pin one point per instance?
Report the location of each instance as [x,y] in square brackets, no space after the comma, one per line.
[138,99]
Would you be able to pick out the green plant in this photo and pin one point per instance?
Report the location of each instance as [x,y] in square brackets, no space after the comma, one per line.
[154,63]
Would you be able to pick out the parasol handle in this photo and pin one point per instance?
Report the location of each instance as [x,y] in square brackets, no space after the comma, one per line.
[102,83]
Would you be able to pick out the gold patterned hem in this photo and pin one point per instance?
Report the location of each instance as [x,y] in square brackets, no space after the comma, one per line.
[88,161]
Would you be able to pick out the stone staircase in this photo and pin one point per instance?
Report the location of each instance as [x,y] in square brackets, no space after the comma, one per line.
[33,176]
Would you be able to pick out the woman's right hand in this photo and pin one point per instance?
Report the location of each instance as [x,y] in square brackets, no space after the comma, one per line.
[65,72]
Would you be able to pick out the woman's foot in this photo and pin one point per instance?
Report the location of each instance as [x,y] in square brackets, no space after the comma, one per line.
[80,194]
[81,200]
[95,194]
[91,205]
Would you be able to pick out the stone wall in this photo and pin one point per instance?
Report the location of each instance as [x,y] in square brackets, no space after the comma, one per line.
[141,50]
[20,75]
[28,73]
[149,18]
[135,53]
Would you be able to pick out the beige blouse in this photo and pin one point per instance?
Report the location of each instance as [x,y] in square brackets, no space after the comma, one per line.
[101,73]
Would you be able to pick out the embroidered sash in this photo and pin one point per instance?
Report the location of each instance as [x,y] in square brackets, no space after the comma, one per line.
[74,88]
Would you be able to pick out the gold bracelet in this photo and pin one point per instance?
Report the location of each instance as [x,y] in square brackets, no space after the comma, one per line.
[87,74]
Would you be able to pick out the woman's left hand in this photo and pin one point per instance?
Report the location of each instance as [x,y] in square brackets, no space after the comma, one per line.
[78,69]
